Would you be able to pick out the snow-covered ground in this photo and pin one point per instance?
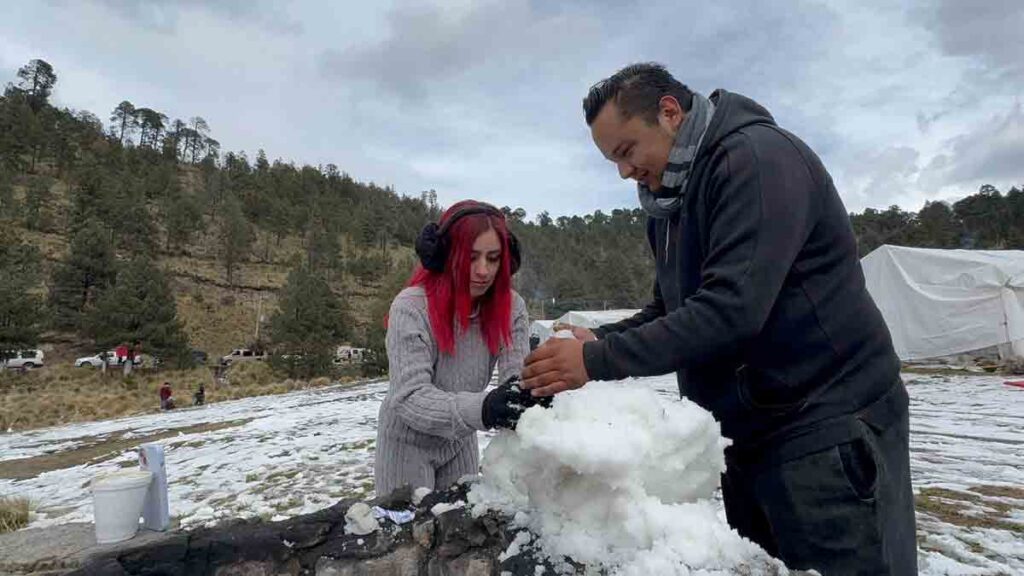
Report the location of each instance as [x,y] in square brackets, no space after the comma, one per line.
[299,452]
[968,432]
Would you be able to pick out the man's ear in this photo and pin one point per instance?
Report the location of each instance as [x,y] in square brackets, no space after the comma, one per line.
[670,113]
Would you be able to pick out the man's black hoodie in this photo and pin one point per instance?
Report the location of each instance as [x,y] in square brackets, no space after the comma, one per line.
[760,304]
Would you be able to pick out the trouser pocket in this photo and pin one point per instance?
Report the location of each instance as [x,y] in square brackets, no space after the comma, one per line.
[860,466]
[824,511]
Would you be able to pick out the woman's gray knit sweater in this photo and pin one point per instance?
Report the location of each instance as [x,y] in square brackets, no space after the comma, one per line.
[426,434]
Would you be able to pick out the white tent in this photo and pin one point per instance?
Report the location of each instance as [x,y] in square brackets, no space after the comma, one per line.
[594,318]
[943,302]
[542,329]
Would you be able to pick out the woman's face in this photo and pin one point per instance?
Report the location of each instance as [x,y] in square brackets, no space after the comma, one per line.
[484,262]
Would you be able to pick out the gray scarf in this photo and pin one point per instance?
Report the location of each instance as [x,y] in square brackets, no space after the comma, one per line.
[680,159]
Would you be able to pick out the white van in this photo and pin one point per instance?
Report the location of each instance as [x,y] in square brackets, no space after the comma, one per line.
[242,355]
[24,359]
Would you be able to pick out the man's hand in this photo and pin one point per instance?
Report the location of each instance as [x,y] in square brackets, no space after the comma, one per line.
[555,367]
[579,332]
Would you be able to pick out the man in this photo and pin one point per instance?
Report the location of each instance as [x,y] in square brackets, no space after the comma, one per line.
[761,309]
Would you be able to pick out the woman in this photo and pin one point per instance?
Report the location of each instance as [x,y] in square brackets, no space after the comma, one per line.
[457,319]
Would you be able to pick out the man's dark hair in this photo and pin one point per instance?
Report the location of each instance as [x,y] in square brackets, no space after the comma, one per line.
[636,90]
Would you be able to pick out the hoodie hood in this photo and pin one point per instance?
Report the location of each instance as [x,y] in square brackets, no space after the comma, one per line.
[733,112]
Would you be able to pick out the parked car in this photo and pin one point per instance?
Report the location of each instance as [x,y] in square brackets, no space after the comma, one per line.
[24,359]
[242,355]
[349,355]
[96,360]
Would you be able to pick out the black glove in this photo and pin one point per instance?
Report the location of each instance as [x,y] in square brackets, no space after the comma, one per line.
[503,405]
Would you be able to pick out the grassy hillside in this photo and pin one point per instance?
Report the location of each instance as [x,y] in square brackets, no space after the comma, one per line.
[219,315]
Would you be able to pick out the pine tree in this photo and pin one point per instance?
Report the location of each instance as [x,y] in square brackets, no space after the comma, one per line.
[38,201]
[183,217]
[36,80]
[123,121]
[310,320]
[129,218]
[235,237]
[89,268]
[139,307]
[21,308]
[9,205]
[936,227]
[17,129]
[322,249]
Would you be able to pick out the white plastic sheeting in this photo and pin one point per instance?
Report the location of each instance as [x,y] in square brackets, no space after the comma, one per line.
[543,329]
[942,302]
[585,318]
[594,318]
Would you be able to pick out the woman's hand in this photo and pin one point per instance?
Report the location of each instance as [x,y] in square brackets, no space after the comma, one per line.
[503,405]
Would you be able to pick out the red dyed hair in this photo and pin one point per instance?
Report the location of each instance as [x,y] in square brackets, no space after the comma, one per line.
[449,303]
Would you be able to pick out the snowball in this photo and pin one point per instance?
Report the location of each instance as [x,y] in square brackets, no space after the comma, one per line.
[521,540]
[615,475]
[442,507]
[419,494]
[359,520]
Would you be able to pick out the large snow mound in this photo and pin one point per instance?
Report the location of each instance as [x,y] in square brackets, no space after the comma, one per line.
[617,477]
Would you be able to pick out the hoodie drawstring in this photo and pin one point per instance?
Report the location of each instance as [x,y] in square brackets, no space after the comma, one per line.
[668,230]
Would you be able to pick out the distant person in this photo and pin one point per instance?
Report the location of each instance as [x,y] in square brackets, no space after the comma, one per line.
[104,362]
[165,396]
[129,361]
[199,398]
[458,318]
[761,309]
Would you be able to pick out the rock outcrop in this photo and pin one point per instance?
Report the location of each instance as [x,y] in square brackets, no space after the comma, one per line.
[451,543]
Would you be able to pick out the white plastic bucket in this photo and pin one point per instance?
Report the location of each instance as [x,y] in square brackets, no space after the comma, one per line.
[117,500]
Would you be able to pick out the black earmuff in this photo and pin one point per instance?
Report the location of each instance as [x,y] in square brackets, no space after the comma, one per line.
[429,248]
[432,243]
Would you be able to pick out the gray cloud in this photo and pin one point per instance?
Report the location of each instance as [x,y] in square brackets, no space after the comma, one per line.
[990,31]
[483,98]
[487,46]
[991,153]
[511,76]
[890,166]
[165,17]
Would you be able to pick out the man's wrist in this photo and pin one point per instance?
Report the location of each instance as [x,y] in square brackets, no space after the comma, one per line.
[595,359]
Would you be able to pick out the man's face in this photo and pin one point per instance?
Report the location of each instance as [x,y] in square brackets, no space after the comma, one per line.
[639,150]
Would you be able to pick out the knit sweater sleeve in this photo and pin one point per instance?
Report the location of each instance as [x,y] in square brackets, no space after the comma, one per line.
[510,362]
[416,399]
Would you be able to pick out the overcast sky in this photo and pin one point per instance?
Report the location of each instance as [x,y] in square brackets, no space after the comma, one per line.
[905,101]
